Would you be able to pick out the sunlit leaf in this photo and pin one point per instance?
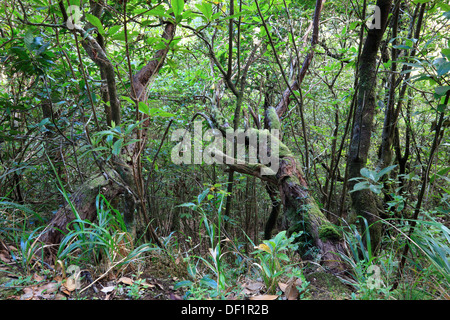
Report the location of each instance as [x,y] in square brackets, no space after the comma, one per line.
[96,23]
[177,6]
[264,247]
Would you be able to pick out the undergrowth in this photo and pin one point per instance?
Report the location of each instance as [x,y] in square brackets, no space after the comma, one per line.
[218,267]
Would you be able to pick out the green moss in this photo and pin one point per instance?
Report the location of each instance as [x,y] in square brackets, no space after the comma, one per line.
[96,182]
[272,116]
[325,286]
[284,151]
[329,232]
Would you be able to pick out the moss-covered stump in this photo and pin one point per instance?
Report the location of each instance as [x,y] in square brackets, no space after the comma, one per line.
[303,213]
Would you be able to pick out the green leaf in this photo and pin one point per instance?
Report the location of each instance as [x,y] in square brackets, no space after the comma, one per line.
[128,99]
[202,196]
[177,6]
[187,14]
[189,205]
[143,107]
[267,271]
[160,113]
[284,257]
[206,9]
[442,90]
[9,205]
[441,107]
[96,23]
[113,30]
[279,237]
[117,146]
[119,36]
[28,39]
[360,186]
[402,46]
[185,283]
[368,174]
[209,282]
[441,172]
[376,188]
[384,171]
[443,69]
[446,52]
[443,6]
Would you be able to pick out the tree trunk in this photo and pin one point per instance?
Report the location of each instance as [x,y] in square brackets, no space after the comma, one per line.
[126,176]
[364,202]
[304,215]
[275,212]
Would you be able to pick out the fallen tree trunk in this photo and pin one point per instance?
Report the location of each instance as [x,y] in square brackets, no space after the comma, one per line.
[301,211]
[304,215]
[83,201]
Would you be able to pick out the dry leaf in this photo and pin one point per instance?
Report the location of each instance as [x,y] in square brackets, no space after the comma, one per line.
[291,292]
[147,285]
[70,284]
[255,286]
[173,296]
[65,291]
[28,294]
[37,277]
[126,280]
[60,296]
[264,297]
[282,286]
[108,289]
[4,257]
[50,287]
[46,291]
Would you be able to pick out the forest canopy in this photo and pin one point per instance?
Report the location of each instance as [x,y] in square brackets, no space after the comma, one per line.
[225,149]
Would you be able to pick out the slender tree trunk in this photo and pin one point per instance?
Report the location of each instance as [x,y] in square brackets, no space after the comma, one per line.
[392,113]
[274,196]
[365,202]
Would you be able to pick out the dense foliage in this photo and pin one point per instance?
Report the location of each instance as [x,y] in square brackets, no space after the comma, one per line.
[71,118]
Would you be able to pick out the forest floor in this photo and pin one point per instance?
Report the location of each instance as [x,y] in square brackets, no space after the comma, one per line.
[153,280]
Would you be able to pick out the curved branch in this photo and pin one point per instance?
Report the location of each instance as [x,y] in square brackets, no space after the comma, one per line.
[286,97]
[143,76]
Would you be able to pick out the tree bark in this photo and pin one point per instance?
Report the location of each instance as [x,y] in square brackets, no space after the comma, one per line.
[304,215]
[365,202]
